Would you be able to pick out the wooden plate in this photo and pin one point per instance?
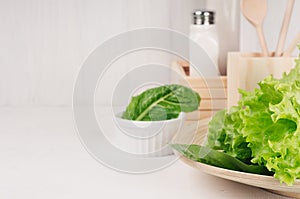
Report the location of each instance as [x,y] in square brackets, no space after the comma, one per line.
[266,182]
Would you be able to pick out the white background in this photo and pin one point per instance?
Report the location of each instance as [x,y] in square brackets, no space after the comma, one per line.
[44,42]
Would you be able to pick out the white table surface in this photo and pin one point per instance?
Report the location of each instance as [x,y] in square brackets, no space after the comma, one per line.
[42,157]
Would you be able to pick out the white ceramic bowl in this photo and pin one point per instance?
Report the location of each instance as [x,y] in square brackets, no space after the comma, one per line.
[151,138]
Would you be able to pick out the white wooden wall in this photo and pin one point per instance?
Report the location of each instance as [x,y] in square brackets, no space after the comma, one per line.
[44,42]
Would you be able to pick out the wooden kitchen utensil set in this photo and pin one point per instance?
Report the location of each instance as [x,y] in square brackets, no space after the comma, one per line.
[255,11]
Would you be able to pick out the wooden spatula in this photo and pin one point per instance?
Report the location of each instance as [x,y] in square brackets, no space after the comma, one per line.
[284,27]
[255,11]
[292,46]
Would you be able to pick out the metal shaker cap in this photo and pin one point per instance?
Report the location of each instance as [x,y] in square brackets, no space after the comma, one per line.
[203,17]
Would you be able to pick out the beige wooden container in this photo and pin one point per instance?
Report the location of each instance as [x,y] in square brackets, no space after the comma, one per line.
[213,91]
[245,70]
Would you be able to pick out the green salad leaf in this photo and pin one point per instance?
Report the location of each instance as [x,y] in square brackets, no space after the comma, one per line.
[264,127]
[224,134]
[162,103]
[219,159]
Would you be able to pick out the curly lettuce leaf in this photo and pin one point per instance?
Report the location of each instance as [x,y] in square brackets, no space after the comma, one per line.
[271,119]
[225,135]
[266,122]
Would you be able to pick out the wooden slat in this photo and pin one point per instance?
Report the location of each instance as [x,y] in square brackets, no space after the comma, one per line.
[196,82]
[199,115]
[214,104]
[183,63]
[212,93]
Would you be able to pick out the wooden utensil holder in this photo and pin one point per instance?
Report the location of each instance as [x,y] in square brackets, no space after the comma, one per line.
[245,70]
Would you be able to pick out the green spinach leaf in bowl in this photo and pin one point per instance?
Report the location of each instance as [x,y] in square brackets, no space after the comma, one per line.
[162,103]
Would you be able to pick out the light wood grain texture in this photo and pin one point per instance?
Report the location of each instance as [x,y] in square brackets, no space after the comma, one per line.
[200,115]
[195,82]
[219,82]
[213,104]
[213,93]
[284,27]
[245,70]
[255,11]
[196,133]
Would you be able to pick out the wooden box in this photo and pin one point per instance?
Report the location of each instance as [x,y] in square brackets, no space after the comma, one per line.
[213,91]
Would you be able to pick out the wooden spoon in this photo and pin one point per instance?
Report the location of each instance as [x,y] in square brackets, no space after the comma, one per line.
[292,46]
[255,11]
[284,27]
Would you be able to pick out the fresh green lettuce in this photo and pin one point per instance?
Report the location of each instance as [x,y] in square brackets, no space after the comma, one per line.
[264,128]
[162,103]
[217,158]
